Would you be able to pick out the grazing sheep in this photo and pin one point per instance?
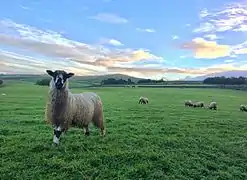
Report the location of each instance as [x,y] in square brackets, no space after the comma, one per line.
[65,109]
[198,104]
[243,108]
[143,100]
[188,103]
[213,105]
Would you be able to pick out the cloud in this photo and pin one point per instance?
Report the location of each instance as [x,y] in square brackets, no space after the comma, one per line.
[240,48]
[115,42]
[112,42]
[231,17]
[184,56]
[24,64]
[25,8]
[205,27]
[53,51]
[211,36]
[203,13]
[229,61]
[54,46]
[175,37]
[146,30]
[241,28]
[110,18]
[206,49]
[12,61]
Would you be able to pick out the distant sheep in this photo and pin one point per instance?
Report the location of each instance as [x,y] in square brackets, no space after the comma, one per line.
[65,109]
[198,104]
[188,103]
[243,108]
[213,105]
[143,100]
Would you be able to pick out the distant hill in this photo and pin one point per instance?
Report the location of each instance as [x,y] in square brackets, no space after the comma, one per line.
[225,73]
[99,78]
[91,79]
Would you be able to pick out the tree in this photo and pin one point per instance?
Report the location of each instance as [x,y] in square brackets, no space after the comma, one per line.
[226,81]
[144,81]
[129,81]
[113,81]
[43,82]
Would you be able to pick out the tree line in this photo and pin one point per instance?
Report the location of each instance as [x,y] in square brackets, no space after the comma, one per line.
[211,80]
[226,80]
[222,80]
[109,81]
[129,81]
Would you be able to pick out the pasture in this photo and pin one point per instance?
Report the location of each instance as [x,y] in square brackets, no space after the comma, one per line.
[159,140]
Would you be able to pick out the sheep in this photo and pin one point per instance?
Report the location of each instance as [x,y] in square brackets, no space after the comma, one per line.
[143,100]
[65,109]
[243,108]
[198,104]
[188,103]
[213,105]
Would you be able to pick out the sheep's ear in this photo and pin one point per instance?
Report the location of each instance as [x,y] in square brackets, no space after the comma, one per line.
[51,73]
[69,75]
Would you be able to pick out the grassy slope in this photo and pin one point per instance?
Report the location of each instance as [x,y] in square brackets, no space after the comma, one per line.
[75,82]
[156,141]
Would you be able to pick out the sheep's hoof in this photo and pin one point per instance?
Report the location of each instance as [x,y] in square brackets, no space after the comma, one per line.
[54,144]
[87,133]
[103,133]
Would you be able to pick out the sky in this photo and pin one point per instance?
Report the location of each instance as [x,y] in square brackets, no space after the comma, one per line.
[147,39]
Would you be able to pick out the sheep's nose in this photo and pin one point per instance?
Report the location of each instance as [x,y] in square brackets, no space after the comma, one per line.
[59,84]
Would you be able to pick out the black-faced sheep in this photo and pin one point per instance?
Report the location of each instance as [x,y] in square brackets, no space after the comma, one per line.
[65,109]
[213,105]
[143,100]
[188,103]
[243,108]
[198,104]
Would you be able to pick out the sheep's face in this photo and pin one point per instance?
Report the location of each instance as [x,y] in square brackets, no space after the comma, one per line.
[59,78]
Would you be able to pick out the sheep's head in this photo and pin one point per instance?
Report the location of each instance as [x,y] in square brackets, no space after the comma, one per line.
[59,78]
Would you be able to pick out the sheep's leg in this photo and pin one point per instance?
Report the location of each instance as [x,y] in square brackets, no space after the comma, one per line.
[98,118]
[100,125]
[86,130]
[65,131]
[102,128]
[57,133]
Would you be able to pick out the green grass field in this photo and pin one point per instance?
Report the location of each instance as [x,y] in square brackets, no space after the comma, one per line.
[161,140]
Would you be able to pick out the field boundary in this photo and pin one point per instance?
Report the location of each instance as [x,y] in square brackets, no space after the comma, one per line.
[233,87]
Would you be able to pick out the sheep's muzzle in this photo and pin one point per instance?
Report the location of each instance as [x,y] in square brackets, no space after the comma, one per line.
[59,83]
